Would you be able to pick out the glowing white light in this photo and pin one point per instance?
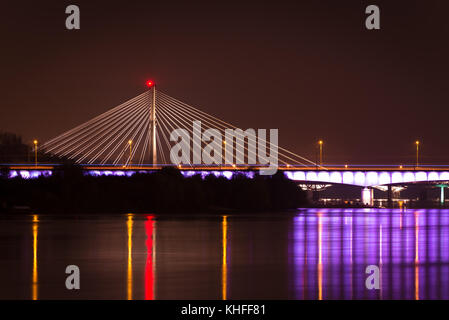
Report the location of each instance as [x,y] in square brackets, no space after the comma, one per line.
[366,196]
[409,177]
[372,178]
[227,174]
[384,178]
[323,176]
[444,175]
[130,173]
[35,174]
[299,176]
[397,177]
[24,174]
[433,176]
[13,174]
[188,173]
[311,176]
[336,177]
[421,176]
[289,175]
[359,178]
[348,177]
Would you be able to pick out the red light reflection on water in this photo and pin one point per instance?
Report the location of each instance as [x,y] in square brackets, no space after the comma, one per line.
[150,263]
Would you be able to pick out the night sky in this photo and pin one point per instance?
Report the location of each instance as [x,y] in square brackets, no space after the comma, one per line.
[309,68]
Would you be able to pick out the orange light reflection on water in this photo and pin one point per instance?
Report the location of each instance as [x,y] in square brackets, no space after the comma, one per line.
[129,225]
[34,284]
[224,267]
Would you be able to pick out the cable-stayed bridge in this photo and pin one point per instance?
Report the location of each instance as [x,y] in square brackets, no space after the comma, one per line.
[135,136]
[137,133]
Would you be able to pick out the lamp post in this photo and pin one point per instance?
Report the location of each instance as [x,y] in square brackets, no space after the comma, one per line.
[223,162]
[417,153]
[320,143]
[35,152]
[130,142]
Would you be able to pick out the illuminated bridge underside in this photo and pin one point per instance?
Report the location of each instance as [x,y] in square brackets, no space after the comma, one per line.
[367,178]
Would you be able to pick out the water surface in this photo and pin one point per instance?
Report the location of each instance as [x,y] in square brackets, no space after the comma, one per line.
[310,254]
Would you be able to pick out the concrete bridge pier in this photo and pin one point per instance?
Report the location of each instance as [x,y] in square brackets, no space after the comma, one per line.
[368,196]
[389,197]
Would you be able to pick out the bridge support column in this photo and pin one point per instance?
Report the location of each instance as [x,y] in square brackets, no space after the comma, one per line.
[389,197]
[442,196]
[153,126]
[368,196]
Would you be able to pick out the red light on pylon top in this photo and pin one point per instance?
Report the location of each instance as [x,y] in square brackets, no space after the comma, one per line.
[150,83]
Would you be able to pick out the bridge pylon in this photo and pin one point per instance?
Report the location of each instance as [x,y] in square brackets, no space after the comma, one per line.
[153,122]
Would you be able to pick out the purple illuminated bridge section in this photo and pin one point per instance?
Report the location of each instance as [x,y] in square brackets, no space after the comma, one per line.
[368,178]
[28,174]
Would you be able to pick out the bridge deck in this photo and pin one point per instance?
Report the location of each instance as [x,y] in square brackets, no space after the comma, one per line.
[232,168]
[358,176]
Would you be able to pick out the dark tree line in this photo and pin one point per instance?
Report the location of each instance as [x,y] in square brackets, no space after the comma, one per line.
[68,190]
[14,150]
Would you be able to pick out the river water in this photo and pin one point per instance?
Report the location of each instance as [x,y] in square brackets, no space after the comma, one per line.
[309,254]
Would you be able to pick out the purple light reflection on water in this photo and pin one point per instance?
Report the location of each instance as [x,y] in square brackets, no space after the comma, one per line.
[313,254]
[332,249]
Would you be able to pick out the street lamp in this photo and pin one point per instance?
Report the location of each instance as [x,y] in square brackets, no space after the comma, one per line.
[35,152]
[417,153]
[320,143]
[224,153]
[130,142]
